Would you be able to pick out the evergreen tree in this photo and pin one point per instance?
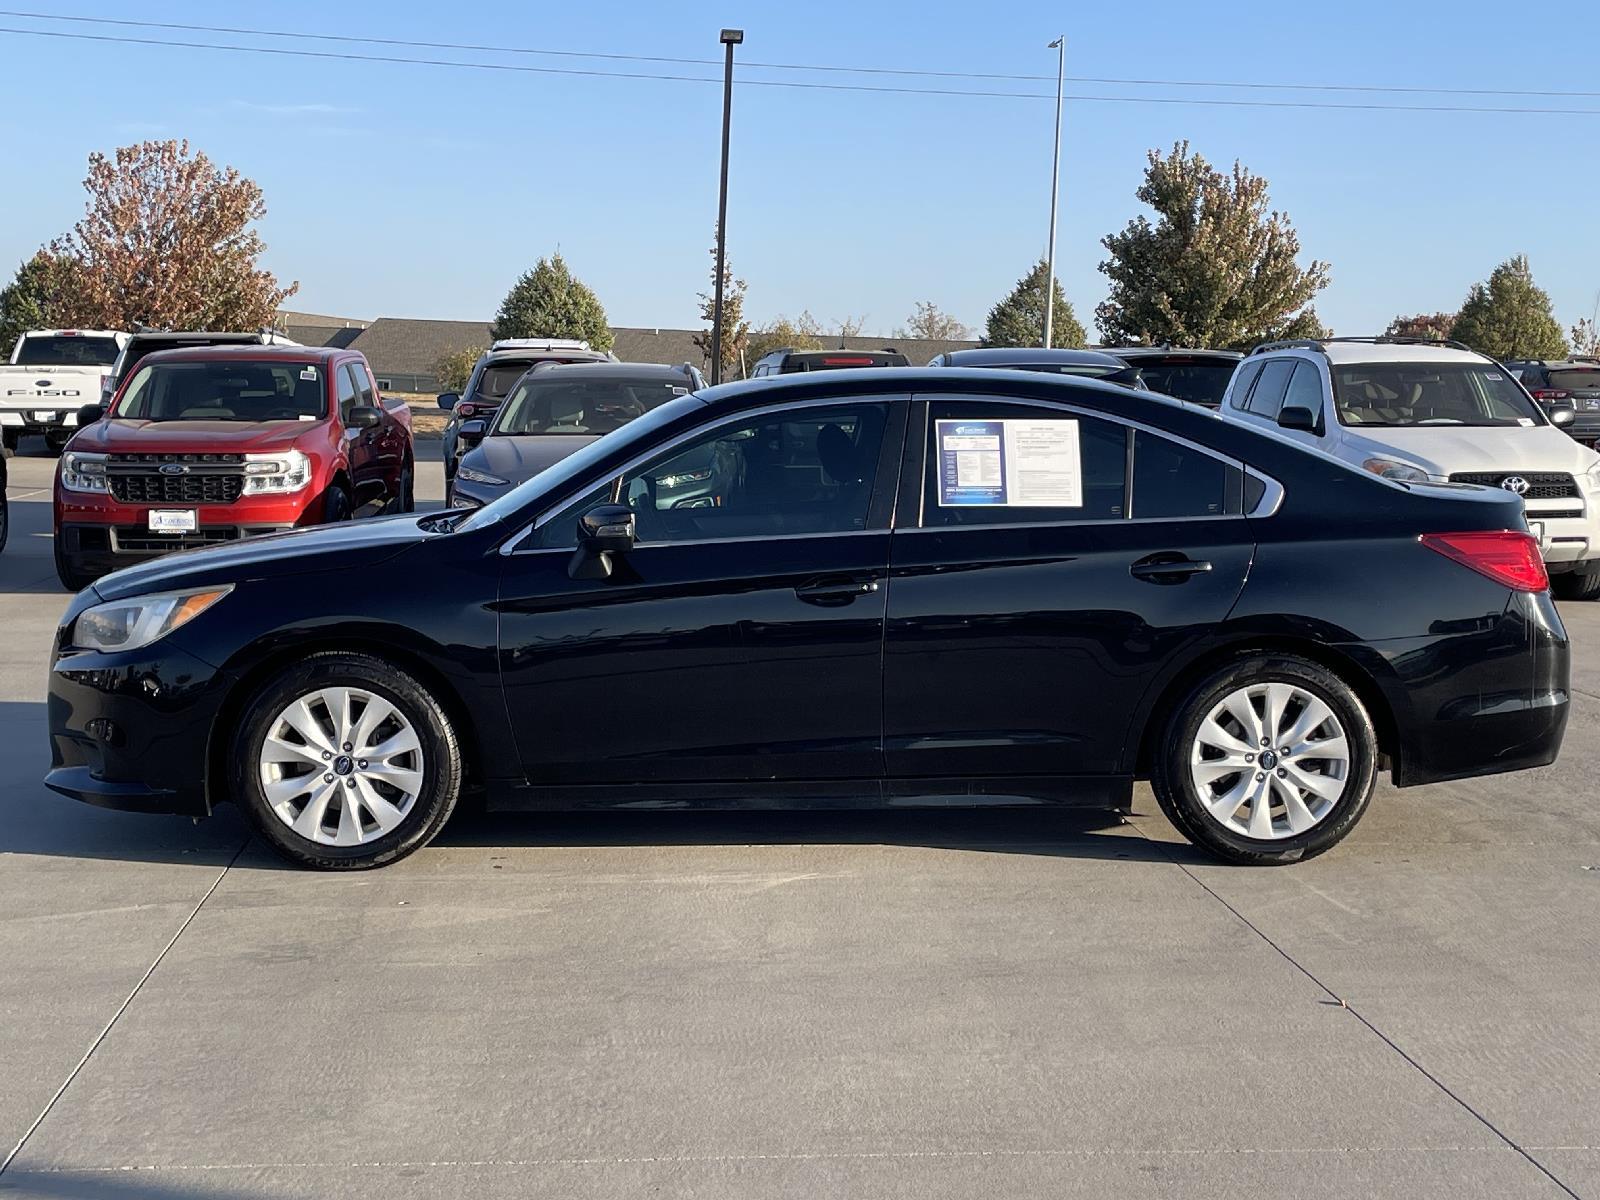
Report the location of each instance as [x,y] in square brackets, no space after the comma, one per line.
[1018,320]
[550,302]
[1510,317]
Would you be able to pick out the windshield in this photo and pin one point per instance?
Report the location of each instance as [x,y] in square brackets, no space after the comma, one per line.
[225,391]
[55,350]
[555,480]
[567,406]
[1429,394]
[1197,382]
[1576,379]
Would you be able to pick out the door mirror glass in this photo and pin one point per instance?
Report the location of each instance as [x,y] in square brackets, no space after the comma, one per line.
[607,529]
[448,400]
[1297,416]
[90,413]
[364,416]
[471,432]
[1559,417]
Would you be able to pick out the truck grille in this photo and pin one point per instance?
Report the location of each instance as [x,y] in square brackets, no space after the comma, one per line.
[203,479]
[1542,485]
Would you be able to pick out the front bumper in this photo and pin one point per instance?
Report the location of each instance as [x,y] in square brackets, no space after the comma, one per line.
[1567,543]
[132,731]
[95,550]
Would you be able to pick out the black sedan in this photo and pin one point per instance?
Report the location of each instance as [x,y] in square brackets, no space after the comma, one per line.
[553,411]
[912,586]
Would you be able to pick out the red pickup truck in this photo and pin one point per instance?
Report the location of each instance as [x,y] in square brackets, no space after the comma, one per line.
[217,443]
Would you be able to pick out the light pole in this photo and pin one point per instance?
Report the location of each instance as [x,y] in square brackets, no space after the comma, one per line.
[730,39]
[1060,46]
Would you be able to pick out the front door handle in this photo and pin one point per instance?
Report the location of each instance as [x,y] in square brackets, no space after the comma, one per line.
[835,592]
[1167,568]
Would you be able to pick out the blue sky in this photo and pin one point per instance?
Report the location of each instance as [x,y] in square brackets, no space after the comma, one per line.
[422,191]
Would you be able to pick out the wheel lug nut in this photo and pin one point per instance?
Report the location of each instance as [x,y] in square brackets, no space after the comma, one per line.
[349,782]
[1259,778]
[327,754]
[1284,753]
[1282,774]
[362,764]
[347,746]
[327,779]
[1249,758]
[1265,742]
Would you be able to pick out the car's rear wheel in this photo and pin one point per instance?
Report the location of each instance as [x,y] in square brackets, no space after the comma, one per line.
[346,762]
[1270,759]
[5,513]
[408,490]
[56,440]
[1577,585]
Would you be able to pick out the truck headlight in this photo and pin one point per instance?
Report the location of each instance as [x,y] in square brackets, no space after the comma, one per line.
[84,472]
[1389,469]
[136,622]
[287,471]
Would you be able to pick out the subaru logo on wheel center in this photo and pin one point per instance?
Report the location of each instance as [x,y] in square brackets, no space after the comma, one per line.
[1515,483]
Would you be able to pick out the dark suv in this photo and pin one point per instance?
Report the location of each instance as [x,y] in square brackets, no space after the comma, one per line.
[1573,384]
[1198,376]
[789,361]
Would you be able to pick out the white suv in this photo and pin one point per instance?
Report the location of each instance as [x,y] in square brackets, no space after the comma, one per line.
[1436,411]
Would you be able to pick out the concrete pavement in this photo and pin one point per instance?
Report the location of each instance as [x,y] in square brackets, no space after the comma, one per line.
[767,1004]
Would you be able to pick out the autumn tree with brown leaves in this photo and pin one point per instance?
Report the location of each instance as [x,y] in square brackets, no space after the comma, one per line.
[167,241]
[1431,326]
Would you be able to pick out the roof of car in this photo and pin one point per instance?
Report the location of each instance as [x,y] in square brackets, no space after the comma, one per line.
[1128,353]
[1002,356]
[1355,350]
[644,372]
[534,353]
[246,352]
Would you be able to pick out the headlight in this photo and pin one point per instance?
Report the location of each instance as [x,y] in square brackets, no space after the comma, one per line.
[686,477]
[475,476]
[84,472]
[288,471]
[1389,469]
[457,500]
[136,622]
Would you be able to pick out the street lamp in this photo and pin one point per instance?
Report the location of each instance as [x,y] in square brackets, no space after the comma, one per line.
[730,38]
[1060,46]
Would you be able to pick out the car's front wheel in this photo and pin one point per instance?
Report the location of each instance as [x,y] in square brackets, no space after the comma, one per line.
[1270,759]
[346,762]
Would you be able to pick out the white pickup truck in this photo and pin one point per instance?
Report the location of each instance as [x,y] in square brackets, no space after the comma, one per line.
[52,374]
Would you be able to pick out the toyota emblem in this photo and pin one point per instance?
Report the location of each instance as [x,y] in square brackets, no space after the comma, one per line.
[1516,484]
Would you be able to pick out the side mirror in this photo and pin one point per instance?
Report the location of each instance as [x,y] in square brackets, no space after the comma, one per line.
[448,400]
[364,416]
[1559,417]
[1298,417]
[471,432]
[90,413]
[607,529]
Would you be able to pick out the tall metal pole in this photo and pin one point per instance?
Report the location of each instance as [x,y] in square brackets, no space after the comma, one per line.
[730,39]
[1059,45]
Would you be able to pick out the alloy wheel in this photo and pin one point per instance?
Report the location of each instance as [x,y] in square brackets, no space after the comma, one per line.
[1270,761]
[341,766]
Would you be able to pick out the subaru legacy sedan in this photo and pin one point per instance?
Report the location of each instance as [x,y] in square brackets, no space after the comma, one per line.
[914,586]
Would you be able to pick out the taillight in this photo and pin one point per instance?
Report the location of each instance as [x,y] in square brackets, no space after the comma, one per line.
[1549,394]
[1506,556]
[466,410]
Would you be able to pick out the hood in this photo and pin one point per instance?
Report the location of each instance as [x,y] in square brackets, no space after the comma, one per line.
[122,436]
[1446,450]
[346,547]
[518,459]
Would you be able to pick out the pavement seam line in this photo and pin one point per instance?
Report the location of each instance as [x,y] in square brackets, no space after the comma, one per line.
[1356,1013]
[116,1016]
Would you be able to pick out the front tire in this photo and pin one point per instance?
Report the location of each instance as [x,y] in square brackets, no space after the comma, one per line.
[1578,585]
[71,579]
[335,506]
[1269,759]
[345,762]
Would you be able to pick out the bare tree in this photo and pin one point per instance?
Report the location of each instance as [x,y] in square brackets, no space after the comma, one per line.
[931,322]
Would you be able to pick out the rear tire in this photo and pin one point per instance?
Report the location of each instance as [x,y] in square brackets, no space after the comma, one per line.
[57,442]
[5,513]
[1308,800]
[1578,585]
[343,816]
[408,489]
[10,439]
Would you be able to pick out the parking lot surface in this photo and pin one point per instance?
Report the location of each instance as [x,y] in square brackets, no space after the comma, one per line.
[927,1004]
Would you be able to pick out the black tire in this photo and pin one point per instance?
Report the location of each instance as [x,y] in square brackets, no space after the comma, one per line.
[57,442]
[1176,792]
[408,490]
[441,760]
[5,513]
[335,506]
[10,439]
[1576,585]
[73,581]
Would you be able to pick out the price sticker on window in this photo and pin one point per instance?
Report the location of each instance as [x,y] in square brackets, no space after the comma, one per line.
[1010,464]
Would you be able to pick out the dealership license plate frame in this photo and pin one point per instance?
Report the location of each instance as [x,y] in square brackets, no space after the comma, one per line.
[173,521]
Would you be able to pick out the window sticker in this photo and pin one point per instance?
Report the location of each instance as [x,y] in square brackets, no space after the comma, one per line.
[309,374]
[1011,463]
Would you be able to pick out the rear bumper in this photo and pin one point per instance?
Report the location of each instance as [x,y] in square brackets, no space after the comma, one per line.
[132,731]
[42,419]
[1483,702]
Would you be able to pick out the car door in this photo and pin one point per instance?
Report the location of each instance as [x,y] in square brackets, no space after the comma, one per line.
[361,445]
[741,639]
[1021,637]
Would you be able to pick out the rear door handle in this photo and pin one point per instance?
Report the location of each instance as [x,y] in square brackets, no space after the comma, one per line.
[835,592]
[1167,568]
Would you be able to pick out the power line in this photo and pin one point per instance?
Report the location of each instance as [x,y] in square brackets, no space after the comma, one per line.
[772,66]
[1187,101]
